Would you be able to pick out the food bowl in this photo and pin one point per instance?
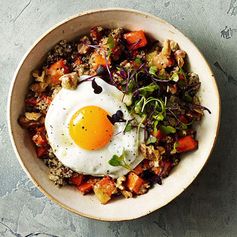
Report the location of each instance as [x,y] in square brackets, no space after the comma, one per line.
[181,176]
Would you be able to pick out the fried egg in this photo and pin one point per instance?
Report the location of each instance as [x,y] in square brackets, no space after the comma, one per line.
[81,134]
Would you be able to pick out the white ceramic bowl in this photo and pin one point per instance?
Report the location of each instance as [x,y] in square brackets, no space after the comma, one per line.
[179,179]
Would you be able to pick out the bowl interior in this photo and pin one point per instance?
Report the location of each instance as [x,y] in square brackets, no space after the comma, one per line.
[181,176]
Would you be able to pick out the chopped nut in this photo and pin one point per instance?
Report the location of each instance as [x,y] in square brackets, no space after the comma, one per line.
[162,61]
[39,87]
[161,149]
[26,123]
[116,33]
[166,50]
[179,56]
[69,81]
[174,46]
[149,152]
[144,188]
[119,182]
[32,116]
[96,33]
[39,77]
[126,194]
[83,47]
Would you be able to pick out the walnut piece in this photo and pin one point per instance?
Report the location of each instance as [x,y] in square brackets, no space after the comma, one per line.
[39,77]
[39,87]
[69,81]
[32,116]
[149,152]
[179,56]
[126,194]
[119,182]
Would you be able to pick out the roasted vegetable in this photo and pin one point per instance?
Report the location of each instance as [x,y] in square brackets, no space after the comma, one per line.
[134,182]
[104,189]
[56,70]
[186,144]
[136,39]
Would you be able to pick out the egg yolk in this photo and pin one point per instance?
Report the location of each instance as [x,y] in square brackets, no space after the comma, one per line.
[90,128]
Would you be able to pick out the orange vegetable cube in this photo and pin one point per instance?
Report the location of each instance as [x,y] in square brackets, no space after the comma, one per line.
[57,70]
[134,182]
[77,179]
[85,187]
[186,144]
[136,38]
[104,189]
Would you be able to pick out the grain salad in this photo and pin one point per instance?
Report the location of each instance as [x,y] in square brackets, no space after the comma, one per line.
[142,120]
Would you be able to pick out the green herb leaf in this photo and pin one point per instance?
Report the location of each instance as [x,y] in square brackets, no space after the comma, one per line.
[155,126]
[127,99]
[139,105]
[159,117]
[187,97]
[151,140]
[175,77]
[110,42]
[115,161]
[153,70]
[143,118]
[173,151]
[119,161]
[128,127]
[167,129]
[131,86]
[148,89]
[137,61]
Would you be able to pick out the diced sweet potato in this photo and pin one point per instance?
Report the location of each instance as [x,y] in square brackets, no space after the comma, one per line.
[136,39]
[39,138]
[134,182]
[166,167]
[98,60]
[76,179]
[186,144]
[85,187]
[144,165]
[104,189]
[41,151]
[57,70]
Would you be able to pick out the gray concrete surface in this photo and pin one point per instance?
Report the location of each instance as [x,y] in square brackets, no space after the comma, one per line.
[208,207]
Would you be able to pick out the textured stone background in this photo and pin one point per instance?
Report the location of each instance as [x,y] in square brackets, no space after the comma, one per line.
[208,207]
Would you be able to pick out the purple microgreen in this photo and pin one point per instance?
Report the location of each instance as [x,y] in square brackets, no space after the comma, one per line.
[107,67]
[123,73]
[117,117]
[87,79]
[172,113]
[93,46]
[97,89]
[195,106]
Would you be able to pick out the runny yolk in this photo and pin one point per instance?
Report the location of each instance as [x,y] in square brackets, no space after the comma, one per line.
[90,128]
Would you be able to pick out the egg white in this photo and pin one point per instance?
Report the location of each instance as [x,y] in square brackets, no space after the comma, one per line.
[89,162]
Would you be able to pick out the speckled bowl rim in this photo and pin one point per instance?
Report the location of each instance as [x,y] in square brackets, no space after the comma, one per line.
[12,87]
